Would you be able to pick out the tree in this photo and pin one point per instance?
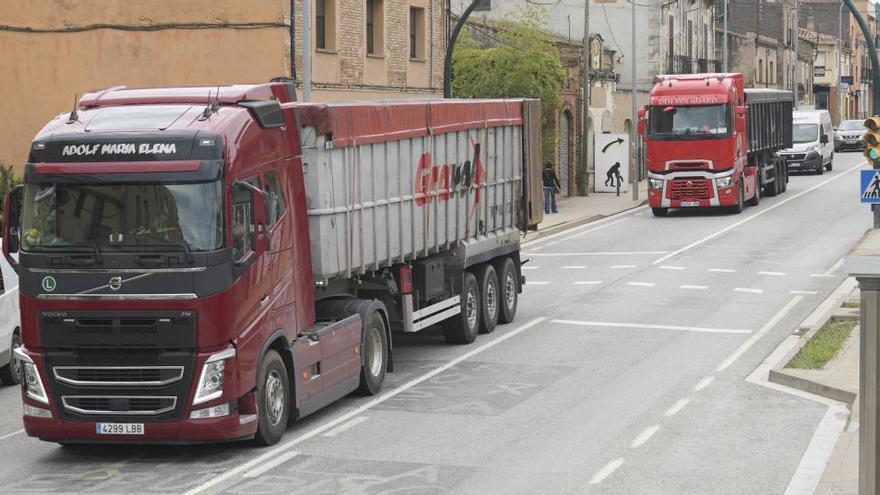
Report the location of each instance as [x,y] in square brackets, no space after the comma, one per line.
[522,64]
[8,180]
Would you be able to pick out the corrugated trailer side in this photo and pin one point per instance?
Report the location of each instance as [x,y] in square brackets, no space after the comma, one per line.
[391,182]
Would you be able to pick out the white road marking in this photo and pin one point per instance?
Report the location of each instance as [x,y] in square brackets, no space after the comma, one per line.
[703,383]
[592,226]
[8,435]
[750,291]
[760,212]
[677,407]
[760,333]
[834,267]
[345,426]
[803,292]
[283,448]
[821,275]
[614,324]
[606,471]
[573,267]
[693,287]
[537,282]
[621,267]
[641,284]
[772,274]
[722,270]
[551,243]
[529,267]
[598,253]
[256,472]
[575,236]
[588,282]
[671,267]
[644,436]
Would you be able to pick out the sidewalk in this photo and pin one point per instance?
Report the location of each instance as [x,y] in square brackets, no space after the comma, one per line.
[577,210]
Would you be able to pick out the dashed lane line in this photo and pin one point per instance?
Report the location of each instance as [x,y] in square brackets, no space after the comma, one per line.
[621,267]
[672,267]
[9,435]
[573,267]
[644,436]
[588,282]
[537,282]
[677,407]
[772,274]
[748,290]
[641,284]
[606,471]
[722,270]
[705,382]
[649,326]
[803,292]
[693,287]
[597,253]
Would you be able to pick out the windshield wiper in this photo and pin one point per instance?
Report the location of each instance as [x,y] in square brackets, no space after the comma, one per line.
[182,245]
[92,248]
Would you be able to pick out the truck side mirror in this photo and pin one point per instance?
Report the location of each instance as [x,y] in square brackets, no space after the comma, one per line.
[640,126]
[740,118]
[823,138]
[12,224]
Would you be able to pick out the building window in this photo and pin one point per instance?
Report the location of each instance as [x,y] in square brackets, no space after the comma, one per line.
[417,33]
[760,70]
[375,27]
[325,24]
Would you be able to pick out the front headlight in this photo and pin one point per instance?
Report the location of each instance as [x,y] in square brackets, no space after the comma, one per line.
[723,182]
[32,382]
[655,183]
[211,380]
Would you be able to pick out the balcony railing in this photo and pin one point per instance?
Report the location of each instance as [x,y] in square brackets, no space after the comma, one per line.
[678,64]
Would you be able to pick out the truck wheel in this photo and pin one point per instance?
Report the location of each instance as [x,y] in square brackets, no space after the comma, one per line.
[487,277]
[509,289]
[740,199]
[11,373]
[773,188]
[375,352]
[660,212]
[830,165]
[273,392]
[463,327]
[756,199]
[821,169]
[786,176]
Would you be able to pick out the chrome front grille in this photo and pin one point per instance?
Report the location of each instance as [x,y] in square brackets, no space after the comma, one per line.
[693,188]
[119,405]
[118,376]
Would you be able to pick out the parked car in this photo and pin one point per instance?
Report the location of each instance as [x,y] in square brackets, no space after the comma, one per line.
[813,142]
[10,324]
[850,136]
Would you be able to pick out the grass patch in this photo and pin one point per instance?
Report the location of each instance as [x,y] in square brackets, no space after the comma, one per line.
[823,346]
[851,304]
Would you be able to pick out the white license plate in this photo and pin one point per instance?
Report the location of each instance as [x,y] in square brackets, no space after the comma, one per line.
[853,141]
[119,428]
[690,203]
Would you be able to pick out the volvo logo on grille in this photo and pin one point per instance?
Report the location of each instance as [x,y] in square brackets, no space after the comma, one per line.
[115,283]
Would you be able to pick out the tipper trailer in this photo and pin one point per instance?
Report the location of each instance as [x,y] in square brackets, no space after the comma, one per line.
[202,264]
[710,142]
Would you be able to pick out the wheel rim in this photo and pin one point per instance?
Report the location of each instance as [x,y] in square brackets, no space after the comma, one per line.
[274,397]
[510,290]
[16,363]
[374,352]
[492,299]
[471,308]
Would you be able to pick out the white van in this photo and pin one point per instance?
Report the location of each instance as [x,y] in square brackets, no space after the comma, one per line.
[813,142]
[10,323]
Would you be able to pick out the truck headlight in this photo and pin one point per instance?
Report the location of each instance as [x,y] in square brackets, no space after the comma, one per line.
[211,380]
[723,182]
[32,382]
[655,183]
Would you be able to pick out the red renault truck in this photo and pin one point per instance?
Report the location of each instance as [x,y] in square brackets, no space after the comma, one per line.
[710,142]
[205,264]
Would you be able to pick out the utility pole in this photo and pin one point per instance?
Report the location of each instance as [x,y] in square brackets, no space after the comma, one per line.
[840,65]
[450,48]
[724,46]
[586,86]
[797,54]
[635,115]
[307,50]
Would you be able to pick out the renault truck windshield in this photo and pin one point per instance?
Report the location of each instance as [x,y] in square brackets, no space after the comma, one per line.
[116,216]
[688,122]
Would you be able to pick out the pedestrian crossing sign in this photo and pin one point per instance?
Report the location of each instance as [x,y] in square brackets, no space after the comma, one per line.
[870,190]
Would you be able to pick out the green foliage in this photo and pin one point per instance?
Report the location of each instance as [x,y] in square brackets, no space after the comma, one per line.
[823,346]
[8,180]
[522,64]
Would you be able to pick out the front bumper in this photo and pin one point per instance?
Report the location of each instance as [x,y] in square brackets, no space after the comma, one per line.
[669,195]
[810,161]
[850,144]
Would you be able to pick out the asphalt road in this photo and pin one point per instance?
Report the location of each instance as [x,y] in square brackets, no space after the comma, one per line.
[623,373]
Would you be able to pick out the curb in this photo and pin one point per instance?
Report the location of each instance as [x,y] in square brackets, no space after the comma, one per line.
[559,227]
[829,309]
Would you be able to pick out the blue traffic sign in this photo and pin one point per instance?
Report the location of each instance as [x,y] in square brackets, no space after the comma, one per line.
[870,190]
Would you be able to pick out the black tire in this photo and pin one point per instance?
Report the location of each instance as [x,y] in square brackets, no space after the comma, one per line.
[774,187]
[740,203]
[273,410]
[508,286]
[785,177]
[821,169]
[463,327]
[756,199]
[487,277]
[830,165]
[660,212]
[11,373]
[375,353]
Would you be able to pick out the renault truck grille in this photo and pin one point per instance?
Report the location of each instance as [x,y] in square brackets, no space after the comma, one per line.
[696,188]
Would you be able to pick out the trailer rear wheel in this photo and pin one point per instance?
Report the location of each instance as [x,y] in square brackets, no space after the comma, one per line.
[273,403]
[375,352]
[463,327]
[509,289]
[775,187]
[784,186]
[487,277]
[660,212]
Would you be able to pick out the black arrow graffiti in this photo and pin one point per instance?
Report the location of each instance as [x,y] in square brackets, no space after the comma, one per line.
[618,141]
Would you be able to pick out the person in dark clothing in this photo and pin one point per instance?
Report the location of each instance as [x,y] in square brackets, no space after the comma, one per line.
[551,188]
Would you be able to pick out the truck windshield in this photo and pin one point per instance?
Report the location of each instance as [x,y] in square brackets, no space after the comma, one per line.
[122,216]
[689,122]
[805,133]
